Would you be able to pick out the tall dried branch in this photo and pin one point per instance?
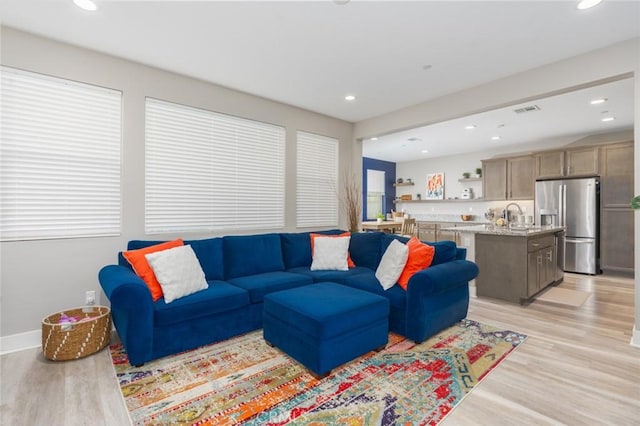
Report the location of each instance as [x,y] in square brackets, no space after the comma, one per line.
[351,200]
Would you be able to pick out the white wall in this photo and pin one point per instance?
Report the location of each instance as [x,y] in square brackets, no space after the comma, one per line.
[622,59]
[41,277]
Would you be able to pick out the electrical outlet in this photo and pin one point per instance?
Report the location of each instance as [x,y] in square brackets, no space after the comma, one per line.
[90,298]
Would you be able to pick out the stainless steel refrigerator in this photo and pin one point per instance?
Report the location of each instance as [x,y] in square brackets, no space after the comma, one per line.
[574,204]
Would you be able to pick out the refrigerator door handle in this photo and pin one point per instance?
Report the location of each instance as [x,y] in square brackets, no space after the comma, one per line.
[564,205]
[571,240]
[560,207]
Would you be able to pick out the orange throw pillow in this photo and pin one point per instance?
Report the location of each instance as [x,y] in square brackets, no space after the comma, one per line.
[143,269]
[350,263]
[420,257]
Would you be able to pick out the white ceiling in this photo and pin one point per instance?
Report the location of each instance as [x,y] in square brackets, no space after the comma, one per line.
[563,119]
[311,54]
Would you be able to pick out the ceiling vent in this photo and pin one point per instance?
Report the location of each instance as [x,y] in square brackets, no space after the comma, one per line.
[529,108]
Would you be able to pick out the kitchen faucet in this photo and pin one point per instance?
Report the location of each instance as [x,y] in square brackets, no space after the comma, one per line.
[506,211]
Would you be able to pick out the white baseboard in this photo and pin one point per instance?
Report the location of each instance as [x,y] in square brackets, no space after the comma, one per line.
[635,337]
[20,341]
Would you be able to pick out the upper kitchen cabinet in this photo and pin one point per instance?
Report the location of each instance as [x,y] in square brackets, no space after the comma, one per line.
[616,215]
[565,163]
[616,175]
[508,178]
[494,179]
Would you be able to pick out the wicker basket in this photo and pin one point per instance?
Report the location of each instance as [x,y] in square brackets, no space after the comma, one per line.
[61,342]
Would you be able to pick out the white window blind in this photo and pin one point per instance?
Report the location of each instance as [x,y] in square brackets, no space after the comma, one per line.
[59,158]
[317,176]
[210,171]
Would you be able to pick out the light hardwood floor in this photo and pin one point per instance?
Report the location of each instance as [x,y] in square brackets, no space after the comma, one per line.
[576,368]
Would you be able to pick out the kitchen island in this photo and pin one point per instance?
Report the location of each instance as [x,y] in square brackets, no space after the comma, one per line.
[515,263]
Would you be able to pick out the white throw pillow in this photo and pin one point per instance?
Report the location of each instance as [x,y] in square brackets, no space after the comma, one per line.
[178,271]
[392,264]
[330,254]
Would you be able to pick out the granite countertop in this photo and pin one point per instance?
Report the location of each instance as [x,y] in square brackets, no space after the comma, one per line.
[503,230]
[453,218]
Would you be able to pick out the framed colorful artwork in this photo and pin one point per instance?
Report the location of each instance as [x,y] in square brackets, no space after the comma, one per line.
[435,186]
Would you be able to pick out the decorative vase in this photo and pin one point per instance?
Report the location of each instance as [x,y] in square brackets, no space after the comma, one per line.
[379,220]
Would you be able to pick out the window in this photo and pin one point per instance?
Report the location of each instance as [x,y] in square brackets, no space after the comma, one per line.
[208,171]
[317,175]
[59,158]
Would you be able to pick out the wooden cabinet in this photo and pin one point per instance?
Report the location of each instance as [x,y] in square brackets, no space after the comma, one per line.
[520,181]
[432,231]
[582,161]
[567,163]
[494,183]
[616,215]
[427,231]
[549,164]
[541,266]
[448,235]
[508,178]
[515,268]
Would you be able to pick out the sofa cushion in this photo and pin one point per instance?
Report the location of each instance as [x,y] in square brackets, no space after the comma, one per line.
[330,253]
[296,247]
[365,249]
[140,264]
[446,251]
[178,271]
[208,251]
[420,257]
[392,264]
[219,297]
[334,276]
[313,236]
[368,282]
[260,284]
[246,255]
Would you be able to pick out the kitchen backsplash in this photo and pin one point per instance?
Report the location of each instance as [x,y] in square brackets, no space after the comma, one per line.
[442,211]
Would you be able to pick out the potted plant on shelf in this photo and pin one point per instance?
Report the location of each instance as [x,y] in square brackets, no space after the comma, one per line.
[466,175]
[635,202]
[379,217]
[478,172]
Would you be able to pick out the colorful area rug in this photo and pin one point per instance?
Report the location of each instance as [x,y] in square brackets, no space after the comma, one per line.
[244,381]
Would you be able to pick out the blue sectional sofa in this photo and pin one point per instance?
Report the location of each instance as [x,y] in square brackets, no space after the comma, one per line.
[241,270]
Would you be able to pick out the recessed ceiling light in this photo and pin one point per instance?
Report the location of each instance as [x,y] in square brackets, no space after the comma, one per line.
[470,127]
[85,4]
[495,138]
[425,151]
[608,119]
[350,98]
[587,4]
[598,101]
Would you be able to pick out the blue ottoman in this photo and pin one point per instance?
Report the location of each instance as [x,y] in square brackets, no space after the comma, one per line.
[324,325]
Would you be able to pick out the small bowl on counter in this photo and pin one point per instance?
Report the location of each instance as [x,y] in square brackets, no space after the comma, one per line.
[466,217]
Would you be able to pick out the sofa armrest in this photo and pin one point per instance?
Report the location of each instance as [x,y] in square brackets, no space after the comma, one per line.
[437,298]
[441,278]
[131,310]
